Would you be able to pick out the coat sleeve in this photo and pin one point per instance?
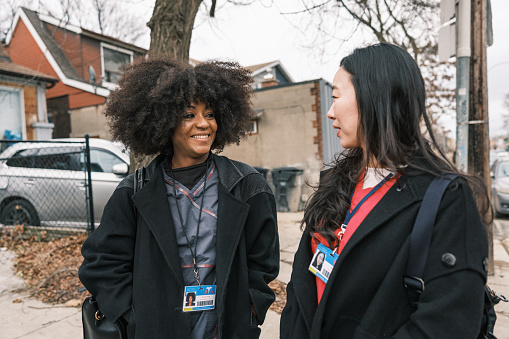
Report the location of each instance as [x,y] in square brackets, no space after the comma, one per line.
[262,245]
[108,255]
[451,304]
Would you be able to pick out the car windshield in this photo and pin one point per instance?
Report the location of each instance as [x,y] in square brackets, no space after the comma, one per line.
[503,169]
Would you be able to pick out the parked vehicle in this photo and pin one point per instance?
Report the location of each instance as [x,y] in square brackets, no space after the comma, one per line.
[500,186]
[44,183]
[495,154]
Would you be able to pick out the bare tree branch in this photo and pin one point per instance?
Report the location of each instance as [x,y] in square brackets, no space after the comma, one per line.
[99,7]
[213,9]
[307,9]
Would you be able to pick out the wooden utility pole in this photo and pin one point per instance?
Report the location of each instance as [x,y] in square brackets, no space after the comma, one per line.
[478,134]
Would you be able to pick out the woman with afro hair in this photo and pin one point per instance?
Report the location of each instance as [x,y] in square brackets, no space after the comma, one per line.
[192,221]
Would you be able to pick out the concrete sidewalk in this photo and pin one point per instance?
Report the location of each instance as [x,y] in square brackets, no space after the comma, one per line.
[26,318]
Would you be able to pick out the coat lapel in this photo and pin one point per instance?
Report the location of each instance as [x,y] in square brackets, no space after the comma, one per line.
[158,218]
[394,202]
[304,282]
[231,217]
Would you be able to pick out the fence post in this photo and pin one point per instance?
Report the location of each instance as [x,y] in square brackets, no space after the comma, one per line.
[91,225]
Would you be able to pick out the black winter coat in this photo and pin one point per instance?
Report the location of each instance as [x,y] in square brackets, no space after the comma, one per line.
[131,265]
[365,296]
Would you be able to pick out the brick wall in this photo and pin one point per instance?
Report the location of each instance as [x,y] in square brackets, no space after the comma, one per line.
[316,108]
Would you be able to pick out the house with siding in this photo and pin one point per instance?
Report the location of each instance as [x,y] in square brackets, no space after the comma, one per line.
[290,133]
[86,64]
[271,72]
[23,100]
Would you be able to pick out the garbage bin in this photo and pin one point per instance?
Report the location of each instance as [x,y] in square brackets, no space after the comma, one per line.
[283,179]
[262,171]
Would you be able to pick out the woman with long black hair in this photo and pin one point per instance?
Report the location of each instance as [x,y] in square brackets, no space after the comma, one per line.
[363,212]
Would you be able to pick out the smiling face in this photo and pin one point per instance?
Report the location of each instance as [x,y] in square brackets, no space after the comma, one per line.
[344,111]
[193,138]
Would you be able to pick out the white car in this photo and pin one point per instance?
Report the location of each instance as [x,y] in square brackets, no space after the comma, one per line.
[45,183]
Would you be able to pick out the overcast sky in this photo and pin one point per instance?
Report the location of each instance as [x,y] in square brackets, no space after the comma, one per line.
[259,33]
[498,68]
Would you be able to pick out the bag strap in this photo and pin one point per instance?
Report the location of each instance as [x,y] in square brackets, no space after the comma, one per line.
[420,240]
[139,181]
[139,178]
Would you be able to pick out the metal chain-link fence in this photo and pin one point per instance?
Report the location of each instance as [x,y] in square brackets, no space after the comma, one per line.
[44,186]
[47,187]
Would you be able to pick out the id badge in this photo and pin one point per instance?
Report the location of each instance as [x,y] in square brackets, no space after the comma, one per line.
[199,298]
[323,262]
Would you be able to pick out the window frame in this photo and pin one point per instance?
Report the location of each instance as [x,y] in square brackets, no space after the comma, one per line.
[253,131]
[21,94]
[107,84]
[106,151]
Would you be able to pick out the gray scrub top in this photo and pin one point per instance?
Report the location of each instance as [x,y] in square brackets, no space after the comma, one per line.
[203,323]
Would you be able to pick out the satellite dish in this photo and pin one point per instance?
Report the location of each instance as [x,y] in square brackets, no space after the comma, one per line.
[91,74]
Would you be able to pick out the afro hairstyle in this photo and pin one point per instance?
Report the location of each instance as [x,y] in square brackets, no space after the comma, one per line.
[154,93]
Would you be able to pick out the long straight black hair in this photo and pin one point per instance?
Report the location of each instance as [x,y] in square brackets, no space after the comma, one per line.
[391,100]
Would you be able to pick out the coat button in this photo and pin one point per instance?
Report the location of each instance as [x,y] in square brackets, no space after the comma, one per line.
[449,260]
[485,264]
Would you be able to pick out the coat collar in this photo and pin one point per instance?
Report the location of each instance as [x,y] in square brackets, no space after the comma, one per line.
[230,172]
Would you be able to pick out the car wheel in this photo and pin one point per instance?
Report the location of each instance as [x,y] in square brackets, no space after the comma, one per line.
[19,212]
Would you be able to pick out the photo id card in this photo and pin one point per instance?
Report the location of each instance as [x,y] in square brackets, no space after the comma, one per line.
[199,298]
[323,262]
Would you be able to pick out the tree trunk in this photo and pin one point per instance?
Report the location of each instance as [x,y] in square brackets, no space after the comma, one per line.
[171,27]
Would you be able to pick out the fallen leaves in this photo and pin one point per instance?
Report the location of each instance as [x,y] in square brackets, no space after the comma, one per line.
[50,267]
[279,289]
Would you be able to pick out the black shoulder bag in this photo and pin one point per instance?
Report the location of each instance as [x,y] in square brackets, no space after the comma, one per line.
[419,247]
[95,324]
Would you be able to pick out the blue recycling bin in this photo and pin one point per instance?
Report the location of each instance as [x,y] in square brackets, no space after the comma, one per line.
[10,135]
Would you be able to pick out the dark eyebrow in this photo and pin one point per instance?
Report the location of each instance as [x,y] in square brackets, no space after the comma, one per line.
[191,106]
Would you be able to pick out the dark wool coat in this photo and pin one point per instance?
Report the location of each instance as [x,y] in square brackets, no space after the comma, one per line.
[136,266]
[365,296]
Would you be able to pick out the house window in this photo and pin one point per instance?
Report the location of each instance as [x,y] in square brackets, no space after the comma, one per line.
[113,59]
[12,112]
[253,127]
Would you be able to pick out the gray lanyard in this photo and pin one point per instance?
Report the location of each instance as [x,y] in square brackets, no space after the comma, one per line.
[193,253]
